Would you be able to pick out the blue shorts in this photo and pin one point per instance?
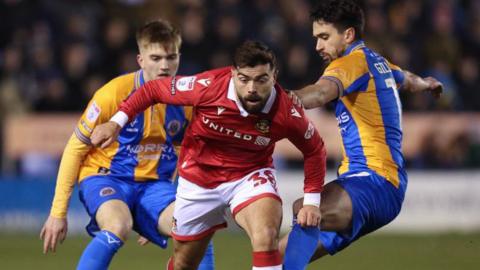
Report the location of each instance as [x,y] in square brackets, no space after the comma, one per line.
[146,201]
[376,202]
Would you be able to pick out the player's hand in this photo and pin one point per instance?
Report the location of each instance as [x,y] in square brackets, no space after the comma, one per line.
[309,215]
[105,134]
[142,241]
[54,230]
[295,99]
[434,87]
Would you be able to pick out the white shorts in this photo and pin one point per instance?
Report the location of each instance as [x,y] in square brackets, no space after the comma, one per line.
[200,211]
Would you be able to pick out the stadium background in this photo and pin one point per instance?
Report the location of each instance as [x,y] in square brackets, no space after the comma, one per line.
[55,54]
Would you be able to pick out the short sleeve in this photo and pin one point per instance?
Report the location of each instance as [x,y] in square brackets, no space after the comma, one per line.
[99,110]
[350,73]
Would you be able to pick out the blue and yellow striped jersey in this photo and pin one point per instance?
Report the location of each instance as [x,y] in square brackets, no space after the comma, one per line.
[147,146]
[368,112]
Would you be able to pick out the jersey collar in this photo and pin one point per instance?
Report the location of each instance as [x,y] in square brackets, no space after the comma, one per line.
[354,46]
[139,80]
[233,96]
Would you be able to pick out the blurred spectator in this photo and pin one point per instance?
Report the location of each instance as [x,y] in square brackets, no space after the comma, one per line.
[82,38]
[459,151]
[55,54]
[469,82]
[54,95]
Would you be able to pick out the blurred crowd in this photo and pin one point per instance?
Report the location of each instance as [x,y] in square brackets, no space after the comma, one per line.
[55,54]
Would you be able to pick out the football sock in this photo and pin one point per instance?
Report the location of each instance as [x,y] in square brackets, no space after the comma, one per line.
[170,263]
[98,254]
[208,261]
[302,243]
[267,260]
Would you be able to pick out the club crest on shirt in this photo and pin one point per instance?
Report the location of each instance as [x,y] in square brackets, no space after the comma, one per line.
[263,126]
[106,191]
[173,127]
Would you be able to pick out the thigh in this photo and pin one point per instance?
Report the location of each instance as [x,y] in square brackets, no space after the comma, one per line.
[256,204]
[256,185]
[375,203]
[112,213]
[153,199]
[97,190]
[336,208]
[260,214]
[198,212]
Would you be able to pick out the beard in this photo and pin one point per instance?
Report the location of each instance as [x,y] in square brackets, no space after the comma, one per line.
[253,103]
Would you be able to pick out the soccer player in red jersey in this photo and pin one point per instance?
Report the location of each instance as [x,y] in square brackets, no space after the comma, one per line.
[226,159]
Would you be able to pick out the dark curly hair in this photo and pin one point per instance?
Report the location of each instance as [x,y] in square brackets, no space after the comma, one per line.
[252,53]
[343,14]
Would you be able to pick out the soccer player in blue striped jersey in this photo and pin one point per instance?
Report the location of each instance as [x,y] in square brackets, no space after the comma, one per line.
[364,86]
[129,185]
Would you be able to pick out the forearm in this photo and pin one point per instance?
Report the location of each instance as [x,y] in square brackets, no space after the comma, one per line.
[311,97]
[314,167]
[140,100]
[72,158]
[318,94]
[414,83]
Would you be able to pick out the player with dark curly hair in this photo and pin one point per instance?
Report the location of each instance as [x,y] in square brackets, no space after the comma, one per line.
[364,86]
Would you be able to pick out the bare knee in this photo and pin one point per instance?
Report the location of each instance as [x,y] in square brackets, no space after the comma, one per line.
[119,227]
[265,239]
[115,216]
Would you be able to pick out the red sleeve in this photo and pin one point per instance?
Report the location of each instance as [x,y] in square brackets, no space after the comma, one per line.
[179,90]
[305,137]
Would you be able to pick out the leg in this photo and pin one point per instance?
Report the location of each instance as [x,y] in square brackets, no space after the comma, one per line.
[355,206]
[165,220]
[188,254]
[165,227]
[114,216]
[261,220]
[104,199]
[198,213]
[115,221]
[336,209]
[302,244]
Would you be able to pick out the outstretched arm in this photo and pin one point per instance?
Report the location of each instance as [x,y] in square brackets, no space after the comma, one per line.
[55,228]
[187,91]
[318,94]
[415,83]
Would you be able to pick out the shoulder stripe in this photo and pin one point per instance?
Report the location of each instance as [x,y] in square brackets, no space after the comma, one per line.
[359,84]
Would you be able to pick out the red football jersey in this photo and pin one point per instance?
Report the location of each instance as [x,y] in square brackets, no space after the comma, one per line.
[224,142]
